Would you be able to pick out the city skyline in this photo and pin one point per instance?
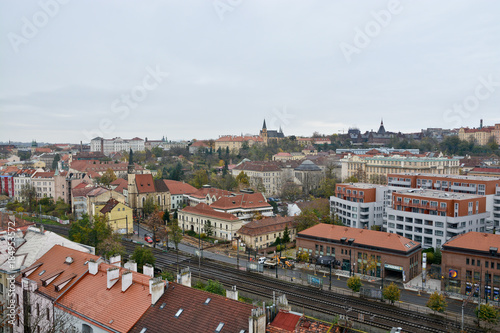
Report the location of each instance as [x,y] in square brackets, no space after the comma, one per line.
[73,71]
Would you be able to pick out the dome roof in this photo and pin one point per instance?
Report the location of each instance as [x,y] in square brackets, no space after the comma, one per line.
[308,165]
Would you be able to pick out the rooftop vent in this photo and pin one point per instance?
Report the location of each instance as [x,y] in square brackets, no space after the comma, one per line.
[68,260]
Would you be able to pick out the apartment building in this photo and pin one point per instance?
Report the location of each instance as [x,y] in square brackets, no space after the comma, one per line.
[235,143]
[22,178]
[481,135]
[244,206]
[480,185]
[260,234]
[360,205]
[471,264]
[108,146]
[432,217]
[365,166]
[264,175]
[369,252]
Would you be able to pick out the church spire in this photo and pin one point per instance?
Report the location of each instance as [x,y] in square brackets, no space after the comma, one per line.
[264,125]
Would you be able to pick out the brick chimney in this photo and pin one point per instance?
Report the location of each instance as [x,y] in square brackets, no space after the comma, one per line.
[113,275]
[148,270]
[93,267]
[131,265]
[116,260]
[126,280]
[156,289]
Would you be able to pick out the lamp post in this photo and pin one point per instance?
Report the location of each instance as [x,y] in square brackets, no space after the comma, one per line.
[237,252]
[330,287]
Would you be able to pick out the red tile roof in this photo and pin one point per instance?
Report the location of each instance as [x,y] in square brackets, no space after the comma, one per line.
[206,210]
[196,315]
[375,238]
[244,201]
[112,308]
[268,225]
[54,261]
[218,193]
[145,183]
[230,138]
[44,174]
[177,188]
[109,206]
[285,320]
[121,184]
[258,166]
[477,241]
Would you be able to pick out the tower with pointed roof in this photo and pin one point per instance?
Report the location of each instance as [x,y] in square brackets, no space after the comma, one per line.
[381,129]
[263,132]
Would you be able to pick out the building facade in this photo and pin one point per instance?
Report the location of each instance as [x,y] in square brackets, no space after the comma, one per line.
[265,176]
[432,217]
[365,166]
[368,252]
[260,234]
[360,205]
[108,146]
[471,264]
[480,185]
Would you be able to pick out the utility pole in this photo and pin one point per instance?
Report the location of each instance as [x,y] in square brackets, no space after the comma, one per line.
[330,288]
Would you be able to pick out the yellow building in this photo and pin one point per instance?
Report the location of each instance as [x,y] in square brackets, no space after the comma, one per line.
[119,216]
[480,136]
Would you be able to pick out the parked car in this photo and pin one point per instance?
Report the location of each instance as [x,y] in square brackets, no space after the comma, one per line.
[148,239]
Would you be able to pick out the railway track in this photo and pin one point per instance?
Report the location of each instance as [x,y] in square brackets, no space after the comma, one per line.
[372,313]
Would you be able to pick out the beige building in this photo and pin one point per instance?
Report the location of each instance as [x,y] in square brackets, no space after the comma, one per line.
[202,217]
[119,216]
[261,234]
[264,176]
[235,143]
[480,136]
[365,166]
[142,187]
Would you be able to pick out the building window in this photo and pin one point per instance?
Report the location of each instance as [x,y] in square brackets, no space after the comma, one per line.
[478,262]
[467,261]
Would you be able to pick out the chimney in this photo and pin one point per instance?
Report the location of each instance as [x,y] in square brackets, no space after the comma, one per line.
[42,229]
[257,321]
[113,275]
[126,280]
[232,294]
[131,265]
[148,270]
[184,277]
[93,267]
[116,260]
[481,123]
[156,289]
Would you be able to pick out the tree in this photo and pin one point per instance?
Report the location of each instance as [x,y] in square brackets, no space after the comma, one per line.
[28,194]
[354,283]
[209,229]
[200,178]
[56,159]
[142,256]
[306,219]
[90,232]
[108,177]
[243,179]
[157,226]
[149,206]
[290,192]
[437,302]
[286,235]
[111,246]
[487,313]
[352,179]
[215,287]
[176,233]
[326,188]
[437,256]
[391,293]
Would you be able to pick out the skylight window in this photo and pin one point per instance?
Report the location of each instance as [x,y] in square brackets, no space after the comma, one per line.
[207,301]
[219,328]
[41,273]
[162,305]
[144,329]
[178,313]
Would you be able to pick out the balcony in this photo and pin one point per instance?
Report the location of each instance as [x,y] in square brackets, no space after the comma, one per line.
[405,183]
[463,188]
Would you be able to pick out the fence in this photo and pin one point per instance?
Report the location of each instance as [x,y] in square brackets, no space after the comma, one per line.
[47,217]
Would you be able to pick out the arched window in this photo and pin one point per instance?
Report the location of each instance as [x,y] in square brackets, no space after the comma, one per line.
[86,328]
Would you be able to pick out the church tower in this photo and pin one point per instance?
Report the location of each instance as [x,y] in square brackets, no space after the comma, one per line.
[263,132]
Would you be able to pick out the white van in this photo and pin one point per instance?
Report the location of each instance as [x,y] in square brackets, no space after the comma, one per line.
[262,260]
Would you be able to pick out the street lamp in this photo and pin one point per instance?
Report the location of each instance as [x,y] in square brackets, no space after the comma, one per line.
[331,263]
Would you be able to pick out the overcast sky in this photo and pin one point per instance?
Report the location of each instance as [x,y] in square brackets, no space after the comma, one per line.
[73,70]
